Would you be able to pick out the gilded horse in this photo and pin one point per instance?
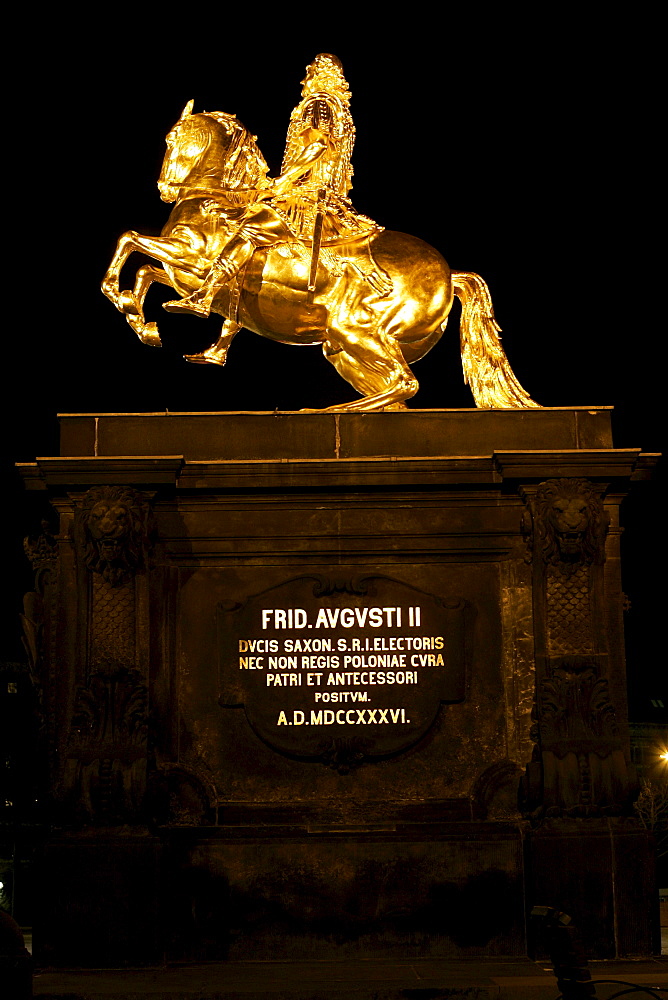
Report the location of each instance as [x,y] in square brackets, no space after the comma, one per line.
[370,336]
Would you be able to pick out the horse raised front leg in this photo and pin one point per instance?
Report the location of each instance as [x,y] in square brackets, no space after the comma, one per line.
[110,282]
[133,303]
[169,252]
[374,366]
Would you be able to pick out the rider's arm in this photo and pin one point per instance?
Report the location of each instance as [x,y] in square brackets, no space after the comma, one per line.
[310,155]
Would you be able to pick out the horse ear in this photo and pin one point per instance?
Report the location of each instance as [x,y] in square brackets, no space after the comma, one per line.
[188,110]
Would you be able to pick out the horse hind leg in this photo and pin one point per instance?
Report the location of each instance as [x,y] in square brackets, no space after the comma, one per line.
[132,303]
[375,367]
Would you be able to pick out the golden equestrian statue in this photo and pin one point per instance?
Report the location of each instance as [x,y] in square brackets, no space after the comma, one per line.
[292,260]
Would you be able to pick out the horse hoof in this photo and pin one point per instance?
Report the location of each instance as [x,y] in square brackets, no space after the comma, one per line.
[182,305]
[205,359]
[150,336]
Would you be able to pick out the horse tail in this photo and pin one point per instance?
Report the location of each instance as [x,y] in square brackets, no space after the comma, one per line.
[486,367]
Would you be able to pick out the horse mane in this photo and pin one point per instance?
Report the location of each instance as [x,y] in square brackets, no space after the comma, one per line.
[245,166]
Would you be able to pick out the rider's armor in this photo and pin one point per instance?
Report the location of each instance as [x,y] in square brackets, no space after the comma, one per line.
[322,125]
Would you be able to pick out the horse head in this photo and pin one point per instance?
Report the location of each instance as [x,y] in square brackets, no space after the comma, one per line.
[211,151]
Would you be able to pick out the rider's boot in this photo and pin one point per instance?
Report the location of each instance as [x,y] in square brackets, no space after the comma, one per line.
[226,266]
[217,353]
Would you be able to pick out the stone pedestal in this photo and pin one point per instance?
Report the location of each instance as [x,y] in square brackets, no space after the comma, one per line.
[325,685]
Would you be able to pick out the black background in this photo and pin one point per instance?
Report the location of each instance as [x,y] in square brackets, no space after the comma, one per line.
[522,143]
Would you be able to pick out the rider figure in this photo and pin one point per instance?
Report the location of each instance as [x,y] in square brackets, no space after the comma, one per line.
[315,177]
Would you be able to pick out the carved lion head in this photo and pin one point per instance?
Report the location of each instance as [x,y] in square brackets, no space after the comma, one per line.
[112,530]
[570,522]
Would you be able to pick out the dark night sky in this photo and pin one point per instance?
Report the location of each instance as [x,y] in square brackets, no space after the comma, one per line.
[523,148]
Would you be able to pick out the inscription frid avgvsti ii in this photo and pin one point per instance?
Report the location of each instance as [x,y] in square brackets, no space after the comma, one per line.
[367,661]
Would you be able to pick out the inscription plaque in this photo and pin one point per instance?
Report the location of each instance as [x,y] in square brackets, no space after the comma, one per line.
[363,663]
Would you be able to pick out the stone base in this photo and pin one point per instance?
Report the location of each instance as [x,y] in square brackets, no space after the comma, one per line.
[451,891]
[346,843]
[320,436]
[603,874]
[254,894]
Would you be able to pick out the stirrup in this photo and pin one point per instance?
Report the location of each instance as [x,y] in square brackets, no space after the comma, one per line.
[206,358]
[185,305]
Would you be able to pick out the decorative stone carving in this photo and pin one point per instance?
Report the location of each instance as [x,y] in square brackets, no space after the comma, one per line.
[106,791]
[112,527]
[569,523]
[103,751]
[578,785]
[324,586]
[575,704]
[105,773]
[495,792]
[568,536]
[41,549]
[42,552]
[345,754]
[569,611]
[113,620]
[180,797]
[585,771]
[578,766]
[111,710]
